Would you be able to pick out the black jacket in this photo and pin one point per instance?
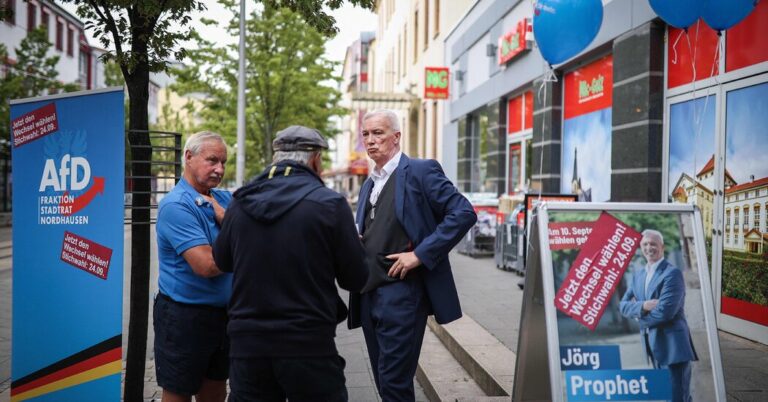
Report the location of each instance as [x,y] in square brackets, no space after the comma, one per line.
[286,238]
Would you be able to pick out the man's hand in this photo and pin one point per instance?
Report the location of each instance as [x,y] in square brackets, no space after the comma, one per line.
[404,262]
[649,305]
[218,210]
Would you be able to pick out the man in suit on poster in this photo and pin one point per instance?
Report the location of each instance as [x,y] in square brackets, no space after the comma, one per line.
[409,216]
[656,299]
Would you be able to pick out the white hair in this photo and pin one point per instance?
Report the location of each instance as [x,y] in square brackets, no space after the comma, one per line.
[302,157]
[394,122]
[196,140]
[651,232]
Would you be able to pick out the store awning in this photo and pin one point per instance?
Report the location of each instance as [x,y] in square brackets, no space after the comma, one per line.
[383,100]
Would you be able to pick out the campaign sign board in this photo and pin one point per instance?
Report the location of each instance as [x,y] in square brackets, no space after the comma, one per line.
[68,167]
[594,274]
[605,306]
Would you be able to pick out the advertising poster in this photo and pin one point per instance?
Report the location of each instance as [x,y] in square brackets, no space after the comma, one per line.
[586,158]
[68,166]
[625,335]
[745,246]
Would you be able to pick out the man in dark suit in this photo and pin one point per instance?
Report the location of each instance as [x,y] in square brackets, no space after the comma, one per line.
[656,299]
[409,216]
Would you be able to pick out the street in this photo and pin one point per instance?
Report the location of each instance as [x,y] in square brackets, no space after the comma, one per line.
[488,295]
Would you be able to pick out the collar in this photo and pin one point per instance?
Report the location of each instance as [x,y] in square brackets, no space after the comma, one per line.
[654,266]
[388,168]
[196,196]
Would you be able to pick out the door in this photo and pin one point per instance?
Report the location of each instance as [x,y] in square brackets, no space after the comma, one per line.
[742,274]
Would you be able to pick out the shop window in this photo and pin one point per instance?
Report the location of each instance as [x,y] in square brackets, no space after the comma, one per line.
[586,143]
[515,167]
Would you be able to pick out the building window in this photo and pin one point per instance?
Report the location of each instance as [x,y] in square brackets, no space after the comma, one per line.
[44,18]
[727,219]
[746,218]
[426,24]
[405,50]
[736,218]
[415,36]
[437,18]
[756,218]
[31,16]
[9,14]
[70,41]
[59,35]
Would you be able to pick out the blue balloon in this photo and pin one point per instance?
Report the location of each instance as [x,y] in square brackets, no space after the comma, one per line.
[563,28]
[678,13]
[723,14]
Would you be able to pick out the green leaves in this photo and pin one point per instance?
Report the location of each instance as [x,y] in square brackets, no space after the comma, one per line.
[288,81]
[33,74]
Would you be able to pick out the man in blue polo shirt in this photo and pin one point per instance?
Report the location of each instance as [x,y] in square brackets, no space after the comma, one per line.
[190,316]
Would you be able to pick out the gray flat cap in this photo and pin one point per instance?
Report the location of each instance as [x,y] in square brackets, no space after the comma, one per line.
[299,138]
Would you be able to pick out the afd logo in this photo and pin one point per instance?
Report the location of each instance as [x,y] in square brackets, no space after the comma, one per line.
[67,184]
[77,169]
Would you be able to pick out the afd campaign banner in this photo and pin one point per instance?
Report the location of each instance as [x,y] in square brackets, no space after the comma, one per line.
[68,203]
[597,270]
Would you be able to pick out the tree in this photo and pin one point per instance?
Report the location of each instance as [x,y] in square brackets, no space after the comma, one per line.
[33,74]
[285,61]
[140,38]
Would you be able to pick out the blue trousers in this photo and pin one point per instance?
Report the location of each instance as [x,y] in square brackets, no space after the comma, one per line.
[394,317]
[681,381]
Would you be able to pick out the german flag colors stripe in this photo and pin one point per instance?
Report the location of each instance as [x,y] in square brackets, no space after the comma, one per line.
[97,361]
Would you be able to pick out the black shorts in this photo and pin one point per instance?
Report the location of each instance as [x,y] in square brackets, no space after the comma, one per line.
[190,344]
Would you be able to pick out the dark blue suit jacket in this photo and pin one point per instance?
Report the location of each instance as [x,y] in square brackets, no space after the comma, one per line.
[435,216]
[668,333]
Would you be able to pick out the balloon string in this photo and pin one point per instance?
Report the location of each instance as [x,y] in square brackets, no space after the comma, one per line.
[549,76]
[696,115]
[674,46]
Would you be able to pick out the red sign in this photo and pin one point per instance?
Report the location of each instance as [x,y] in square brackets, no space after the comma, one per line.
[589,88]
[744,44]
[436,82]
[568,235]
[680,57]
[597,270]
[515,42]
[85,254]
[34,125]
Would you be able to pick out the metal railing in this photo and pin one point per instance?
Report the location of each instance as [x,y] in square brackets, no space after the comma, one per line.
[165,167]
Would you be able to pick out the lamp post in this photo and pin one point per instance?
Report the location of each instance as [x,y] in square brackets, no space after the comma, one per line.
[240,167]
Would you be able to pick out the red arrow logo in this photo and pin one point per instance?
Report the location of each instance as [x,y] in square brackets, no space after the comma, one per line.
[83,200]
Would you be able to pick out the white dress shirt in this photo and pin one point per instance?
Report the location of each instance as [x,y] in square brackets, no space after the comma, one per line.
[380,177]
[649,271]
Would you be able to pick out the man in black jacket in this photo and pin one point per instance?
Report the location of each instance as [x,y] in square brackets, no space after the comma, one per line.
[286,237]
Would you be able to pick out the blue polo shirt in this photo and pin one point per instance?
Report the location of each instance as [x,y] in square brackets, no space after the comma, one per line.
[186,220]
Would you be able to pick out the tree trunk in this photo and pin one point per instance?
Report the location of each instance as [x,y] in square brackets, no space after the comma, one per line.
[141,155]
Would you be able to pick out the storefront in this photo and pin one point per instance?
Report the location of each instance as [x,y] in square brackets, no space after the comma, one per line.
[626,120]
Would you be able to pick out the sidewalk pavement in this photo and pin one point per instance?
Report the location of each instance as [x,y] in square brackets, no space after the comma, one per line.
[488,295]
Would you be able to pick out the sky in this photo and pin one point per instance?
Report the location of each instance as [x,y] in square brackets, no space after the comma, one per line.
[350,21]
